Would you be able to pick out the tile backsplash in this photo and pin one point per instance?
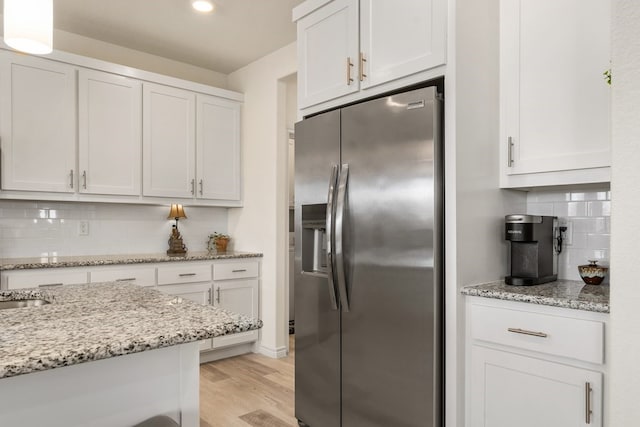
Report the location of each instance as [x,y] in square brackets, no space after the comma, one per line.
[34,229]
[588,212]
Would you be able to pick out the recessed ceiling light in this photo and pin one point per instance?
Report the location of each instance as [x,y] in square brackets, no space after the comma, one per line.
[202,5]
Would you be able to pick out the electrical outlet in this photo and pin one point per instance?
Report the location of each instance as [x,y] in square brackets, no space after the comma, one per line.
[83,228]
[567,235]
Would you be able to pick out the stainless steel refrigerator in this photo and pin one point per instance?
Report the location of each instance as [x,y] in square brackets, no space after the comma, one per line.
[369,264]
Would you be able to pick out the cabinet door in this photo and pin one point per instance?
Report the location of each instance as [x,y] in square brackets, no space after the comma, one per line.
[110,131]
[238,296]
[328,53]
[168,142]
[218,148]
[196,292]
[555,104]
[37,124]
[399,41]
[511,390]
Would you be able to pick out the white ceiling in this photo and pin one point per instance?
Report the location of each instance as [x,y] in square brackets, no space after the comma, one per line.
[237,33]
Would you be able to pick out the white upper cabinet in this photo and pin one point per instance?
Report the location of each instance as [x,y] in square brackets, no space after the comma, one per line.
[110,133]
[37,124]
[168,141]
[347,46]
[399,39]
[328,53]
[217,148]
[554,100]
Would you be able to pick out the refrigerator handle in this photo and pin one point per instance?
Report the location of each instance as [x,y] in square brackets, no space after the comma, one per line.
[329,233]
[339,225]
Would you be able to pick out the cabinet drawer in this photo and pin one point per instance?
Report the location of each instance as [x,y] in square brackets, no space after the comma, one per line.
[185,273]
[143,276]
[45,278]
[235,270]
[560,336]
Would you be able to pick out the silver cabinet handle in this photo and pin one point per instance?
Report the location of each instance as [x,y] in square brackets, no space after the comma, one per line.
[218,295]
[329,233]
[84,179]
[193,186]
[339,225]
[209,296]
[239,271]
[349,66]
[587,401]
[186,274]
[201,186]
[71,179]
[509,152]
[362,74]
[128,279]
[50,285]
[525,332]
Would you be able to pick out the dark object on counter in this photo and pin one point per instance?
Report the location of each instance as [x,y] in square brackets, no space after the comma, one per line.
[534,250]
[176,246]
[592,274]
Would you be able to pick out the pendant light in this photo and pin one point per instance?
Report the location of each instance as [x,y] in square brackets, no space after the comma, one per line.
[28,25]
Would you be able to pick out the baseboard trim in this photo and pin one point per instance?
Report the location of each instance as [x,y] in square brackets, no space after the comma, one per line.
[274,353]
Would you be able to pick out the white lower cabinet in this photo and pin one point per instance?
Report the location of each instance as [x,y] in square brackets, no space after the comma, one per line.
[509,390]
[238,296]
[196,292]
[533,366]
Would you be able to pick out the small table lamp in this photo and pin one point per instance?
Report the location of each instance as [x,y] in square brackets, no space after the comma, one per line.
[176,247]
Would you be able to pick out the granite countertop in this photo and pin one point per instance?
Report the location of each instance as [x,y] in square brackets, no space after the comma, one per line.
[561,293]
[101,320]
[97,260]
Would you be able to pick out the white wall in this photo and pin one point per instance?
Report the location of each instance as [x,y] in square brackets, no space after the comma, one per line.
[479,206]
[92,48]
[261,224]
[35,229]
[624,345]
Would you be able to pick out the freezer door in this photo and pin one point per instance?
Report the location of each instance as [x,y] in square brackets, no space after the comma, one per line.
[317,320]
[390,335]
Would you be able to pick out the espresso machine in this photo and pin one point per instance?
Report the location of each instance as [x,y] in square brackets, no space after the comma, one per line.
[535,245]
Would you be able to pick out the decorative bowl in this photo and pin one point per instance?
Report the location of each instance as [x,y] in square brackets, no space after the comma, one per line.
[592,274]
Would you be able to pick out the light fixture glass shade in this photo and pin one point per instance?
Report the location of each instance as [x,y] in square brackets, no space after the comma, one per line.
[28,25]
[177,211]
[202,5]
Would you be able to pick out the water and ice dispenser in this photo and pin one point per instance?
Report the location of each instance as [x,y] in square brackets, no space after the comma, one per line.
[314,241]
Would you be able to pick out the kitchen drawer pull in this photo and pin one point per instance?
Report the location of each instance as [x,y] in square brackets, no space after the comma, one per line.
[71,179]
[587,398]
[509,151]
[201,186]
[193,186]
[50,285]
[239,271]
[186,274]
[127,279]
[525,332]
[218,295]
[349,65]
[84,179]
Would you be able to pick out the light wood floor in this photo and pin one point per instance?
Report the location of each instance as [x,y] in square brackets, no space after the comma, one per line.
[249,390]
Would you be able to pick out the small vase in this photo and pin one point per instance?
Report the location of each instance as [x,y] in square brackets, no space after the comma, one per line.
[221,245]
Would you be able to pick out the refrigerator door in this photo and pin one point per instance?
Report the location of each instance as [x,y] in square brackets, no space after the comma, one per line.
[317,339]
[391,227]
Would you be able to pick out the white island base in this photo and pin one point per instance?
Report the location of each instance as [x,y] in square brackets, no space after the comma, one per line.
[113,392]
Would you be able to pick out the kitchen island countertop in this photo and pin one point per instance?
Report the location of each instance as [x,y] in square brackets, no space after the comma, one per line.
[98,260]
[561,293]
[97,321]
